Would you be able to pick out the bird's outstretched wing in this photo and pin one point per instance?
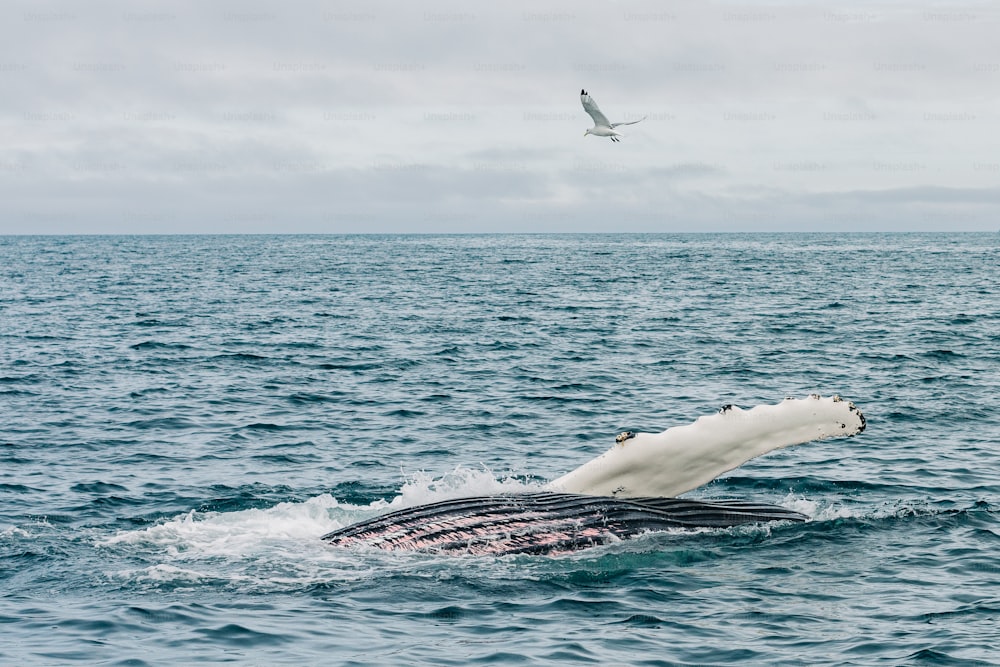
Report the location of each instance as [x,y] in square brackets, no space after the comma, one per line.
[590,106]
[631,122]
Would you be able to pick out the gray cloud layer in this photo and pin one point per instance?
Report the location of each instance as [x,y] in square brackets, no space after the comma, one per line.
[447,116]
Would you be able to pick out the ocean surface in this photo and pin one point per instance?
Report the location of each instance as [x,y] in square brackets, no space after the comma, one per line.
[181,419]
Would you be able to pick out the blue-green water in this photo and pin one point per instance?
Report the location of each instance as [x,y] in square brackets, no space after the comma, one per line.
[181,418]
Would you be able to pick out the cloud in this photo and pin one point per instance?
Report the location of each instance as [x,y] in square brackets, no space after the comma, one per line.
[338,117]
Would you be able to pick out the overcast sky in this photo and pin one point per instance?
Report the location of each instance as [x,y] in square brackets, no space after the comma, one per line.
[378,116]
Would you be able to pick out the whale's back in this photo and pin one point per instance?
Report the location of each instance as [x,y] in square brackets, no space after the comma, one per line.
[543,523]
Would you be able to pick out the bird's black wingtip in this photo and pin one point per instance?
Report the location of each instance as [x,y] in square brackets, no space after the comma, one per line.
[583,92]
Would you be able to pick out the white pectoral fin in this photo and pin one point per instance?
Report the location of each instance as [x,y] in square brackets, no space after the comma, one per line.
[683,458]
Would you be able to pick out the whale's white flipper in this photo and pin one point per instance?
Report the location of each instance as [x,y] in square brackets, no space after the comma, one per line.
[683,458]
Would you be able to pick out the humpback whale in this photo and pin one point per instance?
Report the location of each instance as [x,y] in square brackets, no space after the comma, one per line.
[626,491]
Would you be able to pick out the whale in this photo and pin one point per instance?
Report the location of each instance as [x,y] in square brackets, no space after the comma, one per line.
[629,490]
[544,523]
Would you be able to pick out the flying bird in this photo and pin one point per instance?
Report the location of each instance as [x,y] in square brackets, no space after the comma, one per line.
[602,127]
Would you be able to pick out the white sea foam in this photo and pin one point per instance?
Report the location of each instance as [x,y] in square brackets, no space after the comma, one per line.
[13,531]
[232,533]
[422,488]
[27,531]
[817,512]
[280,546]
[168,573]
[315,516]
[255,548]
[831,510]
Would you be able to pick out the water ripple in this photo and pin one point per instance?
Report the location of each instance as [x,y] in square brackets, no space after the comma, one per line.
[184,416]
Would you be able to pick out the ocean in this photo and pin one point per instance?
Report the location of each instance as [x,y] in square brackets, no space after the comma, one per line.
[182,418]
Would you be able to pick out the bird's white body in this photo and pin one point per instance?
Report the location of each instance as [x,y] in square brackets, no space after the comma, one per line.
[598,131]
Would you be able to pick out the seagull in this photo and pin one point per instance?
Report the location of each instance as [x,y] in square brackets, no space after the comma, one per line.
[602,128]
